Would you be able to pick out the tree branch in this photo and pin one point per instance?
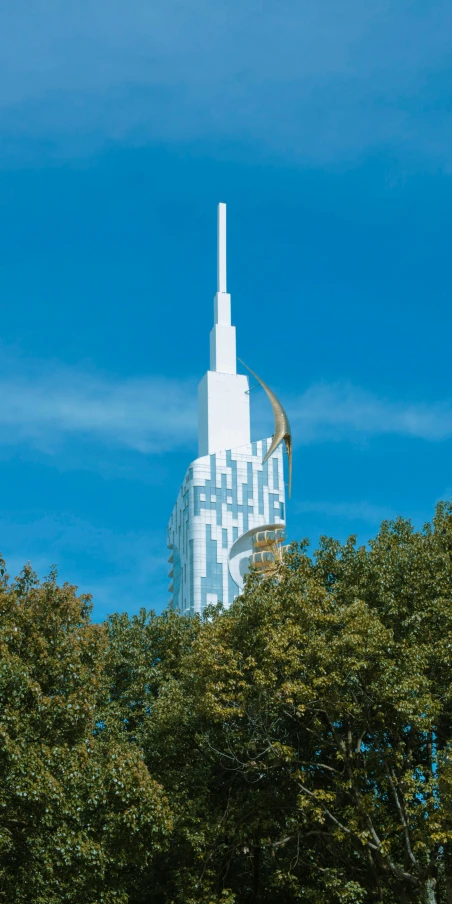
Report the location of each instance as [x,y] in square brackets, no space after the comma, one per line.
[403,820]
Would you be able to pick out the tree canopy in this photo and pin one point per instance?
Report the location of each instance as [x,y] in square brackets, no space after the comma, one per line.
[296,747]
[79,811]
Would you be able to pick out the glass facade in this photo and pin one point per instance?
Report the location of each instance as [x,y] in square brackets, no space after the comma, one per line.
[225,499]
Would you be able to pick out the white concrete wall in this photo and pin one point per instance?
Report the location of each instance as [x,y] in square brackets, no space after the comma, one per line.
[222,337]
[222,349]
[223,412]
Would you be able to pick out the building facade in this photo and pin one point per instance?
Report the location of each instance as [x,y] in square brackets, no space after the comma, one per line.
[231,493]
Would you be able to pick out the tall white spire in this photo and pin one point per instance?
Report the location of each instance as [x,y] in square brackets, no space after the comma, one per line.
[221,249]
[222,338]
[224,402]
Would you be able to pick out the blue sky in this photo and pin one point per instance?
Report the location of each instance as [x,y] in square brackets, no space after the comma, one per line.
[326,127]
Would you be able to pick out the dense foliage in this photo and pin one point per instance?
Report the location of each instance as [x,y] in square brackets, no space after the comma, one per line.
[297,747]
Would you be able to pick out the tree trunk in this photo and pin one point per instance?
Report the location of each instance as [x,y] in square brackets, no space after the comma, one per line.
[256,871]
[430,892]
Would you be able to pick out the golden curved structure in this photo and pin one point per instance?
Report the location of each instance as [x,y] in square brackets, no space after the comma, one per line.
[282,426]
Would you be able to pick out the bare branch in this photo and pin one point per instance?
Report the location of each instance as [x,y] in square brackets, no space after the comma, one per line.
[376,846]
[402,816]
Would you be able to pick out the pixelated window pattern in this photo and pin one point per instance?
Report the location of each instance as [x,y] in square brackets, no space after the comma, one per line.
[213,581]
[233,590]
[260,492]
[233,506]
[176,578]
[247,495]
[275,506]
[210,497]
[192,580]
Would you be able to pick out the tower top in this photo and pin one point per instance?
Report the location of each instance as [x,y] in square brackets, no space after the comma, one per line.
[221,249]
[224,402]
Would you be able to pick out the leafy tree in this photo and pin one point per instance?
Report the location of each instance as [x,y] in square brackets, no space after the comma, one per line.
[143,653]
[80,815]
[144,670]
[297,747]
[308,734]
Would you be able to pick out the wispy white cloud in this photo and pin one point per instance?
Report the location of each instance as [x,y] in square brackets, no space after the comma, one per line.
[318,80]
[45,405]
[341,411]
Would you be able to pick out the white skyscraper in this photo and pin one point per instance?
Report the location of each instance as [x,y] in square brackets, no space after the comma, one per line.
[231,501]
